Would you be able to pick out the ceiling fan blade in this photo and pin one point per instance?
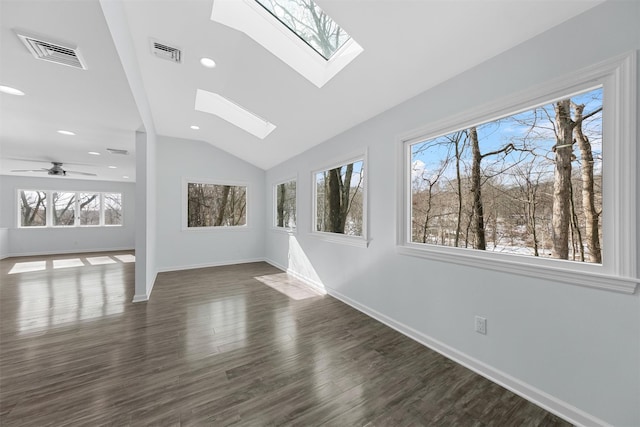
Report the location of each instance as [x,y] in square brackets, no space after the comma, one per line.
[81,173]
[30,170]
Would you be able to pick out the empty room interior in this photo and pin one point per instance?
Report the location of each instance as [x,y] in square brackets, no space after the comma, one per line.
[319,212]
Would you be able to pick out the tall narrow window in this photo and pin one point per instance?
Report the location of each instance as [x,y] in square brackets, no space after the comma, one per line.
[216,205]
[112,208]
[526,184]
[89,208]
[64,208]
[286,204]
[33,208]
[339,206]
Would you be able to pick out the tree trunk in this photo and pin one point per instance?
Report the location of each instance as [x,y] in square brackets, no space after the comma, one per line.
[345,190]
[459,187]
[223,205]
[591,215]
[335,199]
[561,217]
[478,214]
[282,192]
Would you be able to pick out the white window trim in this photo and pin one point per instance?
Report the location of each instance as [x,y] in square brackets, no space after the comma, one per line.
[187,181]
[359,241]
[76,221]
[274,205]
[618,272]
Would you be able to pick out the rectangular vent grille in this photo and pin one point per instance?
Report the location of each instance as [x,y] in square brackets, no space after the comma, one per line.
[53,52]
[164,51]
[117,151]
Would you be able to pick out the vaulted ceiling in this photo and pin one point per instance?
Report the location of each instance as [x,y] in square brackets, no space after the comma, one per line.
[409,46]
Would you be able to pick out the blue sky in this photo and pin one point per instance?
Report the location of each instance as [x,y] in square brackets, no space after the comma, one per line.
[427,157]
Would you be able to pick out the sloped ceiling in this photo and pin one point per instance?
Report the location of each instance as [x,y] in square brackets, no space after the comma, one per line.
[409,46]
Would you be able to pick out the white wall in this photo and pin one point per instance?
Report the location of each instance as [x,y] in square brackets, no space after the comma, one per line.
[4,243]
[179,249]
[575,350]
[26,241]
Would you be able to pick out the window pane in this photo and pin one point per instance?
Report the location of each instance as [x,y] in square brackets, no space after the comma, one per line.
[212,205]
[33,208]
[112,209]
[526,184]
[339,199]
[64,208]
[89,208]
[306,20]
[286,204]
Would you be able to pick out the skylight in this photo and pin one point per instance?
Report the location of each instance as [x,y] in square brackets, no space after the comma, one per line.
[310,23]
[212,103]
[260,20]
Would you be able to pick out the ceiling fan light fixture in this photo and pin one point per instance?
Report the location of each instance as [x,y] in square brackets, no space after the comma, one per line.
[94,153]
[66,132]
[195,127]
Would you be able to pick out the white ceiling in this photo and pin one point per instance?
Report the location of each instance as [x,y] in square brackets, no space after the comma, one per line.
[409,46]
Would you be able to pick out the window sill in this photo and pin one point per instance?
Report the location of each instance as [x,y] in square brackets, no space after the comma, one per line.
[526,266]
[360,242]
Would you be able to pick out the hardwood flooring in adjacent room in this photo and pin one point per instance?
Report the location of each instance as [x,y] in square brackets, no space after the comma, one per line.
[241,345]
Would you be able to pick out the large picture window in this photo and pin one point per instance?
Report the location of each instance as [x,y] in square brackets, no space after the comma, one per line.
[526,184]
[285,204]
[68,208]
[216,205]
[540,184]
[339,206]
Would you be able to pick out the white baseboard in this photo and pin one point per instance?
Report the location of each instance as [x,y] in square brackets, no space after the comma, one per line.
[544,400]
[208,264]
[317,286]
[66,251]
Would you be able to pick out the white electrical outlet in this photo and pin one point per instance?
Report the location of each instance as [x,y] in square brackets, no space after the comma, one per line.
[481,325]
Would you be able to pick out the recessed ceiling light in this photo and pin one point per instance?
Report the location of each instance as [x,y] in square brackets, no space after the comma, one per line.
[66,132]
[94,153]
[208,62]
[125,176]
[194,127]
[11,91]
[113,167]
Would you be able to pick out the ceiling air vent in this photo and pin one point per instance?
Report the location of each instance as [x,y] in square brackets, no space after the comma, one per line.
[117,151]
[164,51]
[48,50]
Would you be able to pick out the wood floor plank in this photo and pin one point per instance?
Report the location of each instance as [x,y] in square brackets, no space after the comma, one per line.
[242,345]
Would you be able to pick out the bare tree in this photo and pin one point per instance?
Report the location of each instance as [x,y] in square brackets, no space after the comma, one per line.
[591,214]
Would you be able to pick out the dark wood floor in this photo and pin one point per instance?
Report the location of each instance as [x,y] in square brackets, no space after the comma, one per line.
[240,345]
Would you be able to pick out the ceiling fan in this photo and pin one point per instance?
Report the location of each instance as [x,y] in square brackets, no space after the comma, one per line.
[56,170]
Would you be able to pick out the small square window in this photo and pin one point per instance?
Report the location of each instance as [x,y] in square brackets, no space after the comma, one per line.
[33,208]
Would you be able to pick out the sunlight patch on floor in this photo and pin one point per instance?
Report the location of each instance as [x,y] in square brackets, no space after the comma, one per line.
[126,258]
[100,260]
[288,286]
[26,267]
[67,263]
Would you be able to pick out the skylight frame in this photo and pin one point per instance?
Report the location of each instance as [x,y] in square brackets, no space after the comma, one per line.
[251,18]
[232,112]
[300,36]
